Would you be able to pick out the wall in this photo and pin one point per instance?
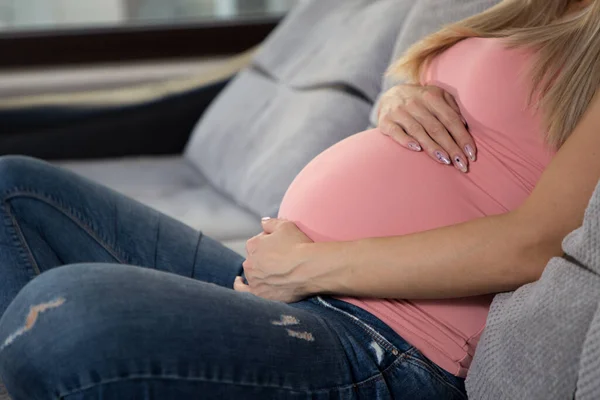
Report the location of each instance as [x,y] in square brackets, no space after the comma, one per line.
[41,13]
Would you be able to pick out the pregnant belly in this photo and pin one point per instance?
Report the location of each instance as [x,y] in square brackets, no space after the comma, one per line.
[369,186]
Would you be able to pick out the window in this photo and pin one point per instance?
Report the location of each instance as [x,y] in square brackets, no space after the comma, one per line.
[38,32]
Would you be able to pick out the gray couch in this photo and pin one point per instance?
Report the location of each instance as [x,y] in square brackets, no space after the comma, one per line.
[315,81]
[299,95]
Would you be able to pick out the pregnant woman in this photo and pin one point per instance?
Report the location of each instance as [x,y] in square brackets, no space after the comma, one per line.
[375,281]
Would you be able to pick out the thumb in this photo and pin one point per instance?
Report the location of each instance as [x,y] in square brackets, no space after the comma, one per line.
[270,225]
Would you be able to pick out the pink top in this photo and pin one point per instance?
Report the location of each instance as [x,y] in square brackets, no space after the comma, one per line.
[369,186]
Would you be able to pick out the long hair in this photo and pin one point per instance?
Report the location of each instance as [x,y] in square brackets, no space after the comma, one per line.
[566,73]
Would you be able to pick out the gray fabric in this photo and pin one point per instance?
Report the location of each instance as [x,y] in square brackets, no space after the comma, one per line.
[313,84]
[173,186]
[335,41]
[425,18]
[588,382]
[534,337]
[255,154]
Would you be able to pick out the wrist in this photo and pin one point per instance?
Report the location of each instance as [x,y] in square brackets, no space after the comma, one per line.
[324,267]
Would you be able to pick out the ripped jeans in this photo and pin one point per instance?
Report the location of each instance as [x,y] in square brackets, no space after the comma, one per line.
[82,320]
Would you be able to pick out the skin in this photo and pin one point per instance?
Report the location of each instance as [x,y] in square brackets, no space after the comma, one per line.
[283,264]
[427,118]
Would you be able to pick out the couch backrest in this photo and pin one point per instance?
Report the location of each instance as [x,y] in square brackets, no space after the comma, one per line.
[313,84]
[425,18]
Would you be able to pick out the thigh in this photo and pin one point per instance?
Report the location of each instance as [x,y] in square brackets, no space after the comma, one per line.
[121,332]
[53,217]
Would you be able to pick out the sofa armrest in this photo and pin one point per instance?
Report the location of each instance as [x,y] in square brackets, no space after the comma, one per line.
[155,118]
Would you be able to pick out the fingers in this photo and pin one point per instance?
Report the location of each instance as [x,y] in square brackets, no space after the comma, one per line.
[428,118]
[438,132]
[240,286]
[435,136]
[452,102]
[252,243]
[393,130]
[448,113]
[270,225]
[418,129]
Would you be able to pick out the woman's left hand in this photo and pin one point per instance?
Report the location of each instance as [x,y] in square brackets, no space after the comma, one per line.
[273,260]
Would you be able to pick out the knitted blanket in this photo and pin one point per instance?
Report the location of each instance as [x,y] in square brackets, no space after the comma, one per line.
[543,340]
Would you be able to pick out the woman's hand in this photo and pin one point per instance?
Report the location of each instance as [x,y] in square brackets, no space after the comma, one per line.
[271,267]
[427,118]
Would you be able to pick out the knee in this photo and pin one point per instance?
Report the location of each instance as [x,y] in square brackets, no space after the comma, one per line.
[9,164]
[38,308]
[17,171]
[60,303]
[42,330]
[64,322]
[43,303]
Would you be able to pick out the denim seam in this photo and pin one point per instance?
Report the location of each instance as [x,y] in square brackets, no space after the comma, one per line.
[424,365]
[156,241]
[365,327]
[200,237]
[378,377]
[198,379]
[73,215]
[408,355]
[20,241]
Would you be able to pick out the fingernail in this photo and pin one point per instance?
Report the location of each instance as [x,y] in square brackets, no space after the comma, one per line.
[442,158]
[414,146]
[265,219]
[460,164]
[470,152]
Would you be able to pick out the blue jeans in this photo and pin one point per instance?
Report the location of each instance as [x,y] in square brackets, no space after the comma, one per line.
[82,320]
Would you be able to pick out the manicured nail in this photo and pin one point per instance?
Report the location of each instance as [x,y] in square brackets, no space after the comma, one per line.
[414,146]
[442,158]
[460,164]
[470,152]
[265,219]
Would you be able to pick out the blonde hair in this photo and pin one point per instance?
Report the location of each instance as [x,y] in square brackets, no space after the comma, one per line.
[566,74]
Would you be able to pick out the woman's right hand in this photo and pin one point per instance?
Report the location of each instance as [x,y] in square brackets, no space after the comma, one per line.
[427,118]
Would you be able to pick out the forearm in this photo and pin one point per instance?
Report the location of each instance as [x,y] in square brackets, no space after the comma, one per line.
[487,255]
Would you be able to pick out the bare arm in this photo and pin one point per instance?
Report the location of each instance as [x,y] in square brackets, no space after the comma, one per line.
[487,255]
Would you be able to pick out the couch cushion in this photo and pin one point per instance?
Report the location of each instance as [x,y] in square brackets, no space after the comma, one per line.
[254,154]
[425,18]
[335,41]
[174,187]
[540,339]
[588,380]
[312,84]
